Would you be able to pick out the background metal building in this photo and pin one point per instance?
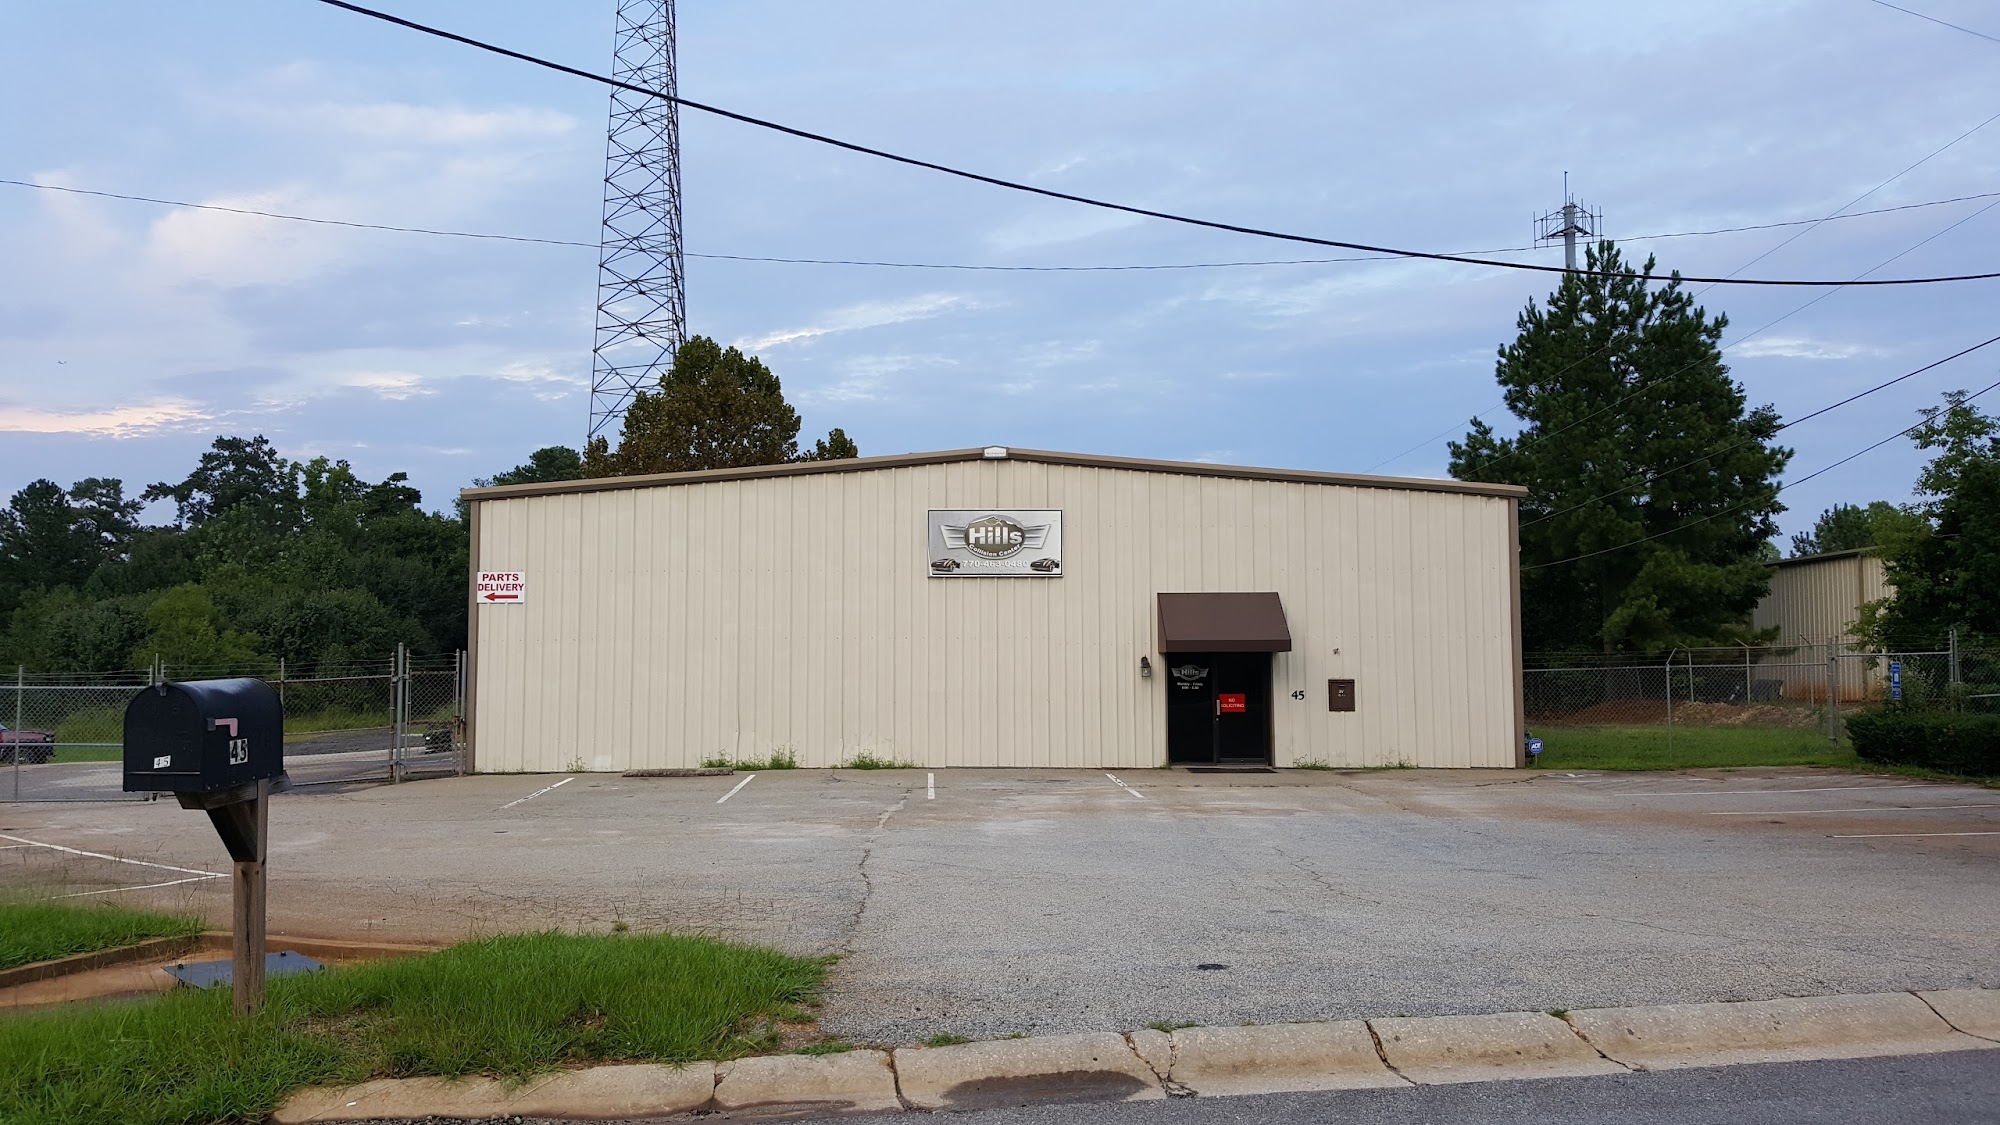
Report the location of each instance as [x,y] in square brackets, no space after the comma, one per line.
[795,609]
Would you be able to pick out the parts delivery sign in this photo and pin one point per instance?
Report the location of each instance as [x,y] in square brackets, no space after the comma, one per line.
[502,587]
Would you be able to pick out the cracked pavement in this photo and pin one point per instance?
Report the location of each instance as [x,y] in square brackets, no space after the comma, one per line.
[1044,901]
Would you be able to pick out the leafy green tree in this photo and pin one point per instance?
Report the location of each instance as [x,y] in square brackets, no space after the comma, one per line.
[715,408]
[50,537]
[185,629]
[62,630]
[835,446]
[235,473]
[546,465]
[1848,527]
[1947,575]
[1651,484]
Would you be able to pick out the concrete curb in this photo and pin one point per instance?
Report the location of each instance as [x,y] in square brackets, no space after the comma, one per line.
[1446,1049]
[1278,1058]
[775,1087]
[1975,1011]
[1671,1036]
[1093,1067]
[1214,1061]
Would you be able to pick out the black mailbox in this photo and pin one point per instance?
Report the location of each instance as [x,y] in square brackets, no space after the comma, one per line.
[203,736]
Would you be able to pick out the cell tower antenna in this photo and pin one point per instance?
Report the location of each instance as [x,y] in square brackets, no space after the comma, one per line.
[1566,224]
[641,279]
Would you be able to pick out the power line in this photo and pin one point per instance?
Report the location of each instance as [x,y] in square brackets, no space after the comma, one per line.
[1810,226]
[973,266]
[1772,495]
[1654,478]
[1935,20]
[1051,193]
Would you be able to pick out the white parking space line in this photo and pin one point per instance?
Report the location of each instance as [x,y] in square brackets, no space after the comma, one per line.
[538,792]
[23,840]
[747,779]
[1761,792]
[1125,787]
[1854,809]
[930,787]
[1882,835]
[146,887]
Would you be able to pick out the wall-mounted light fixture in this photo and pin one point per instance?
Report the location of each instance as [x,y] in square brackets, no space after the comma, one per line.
[1145,668]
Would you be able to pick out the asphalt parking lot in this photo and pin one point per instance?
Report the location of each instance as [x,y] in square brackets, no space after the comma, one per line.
[1037,901]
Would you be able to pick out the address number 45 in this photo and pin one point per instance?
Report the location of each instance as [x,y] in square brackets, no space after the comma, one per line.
[1299,694]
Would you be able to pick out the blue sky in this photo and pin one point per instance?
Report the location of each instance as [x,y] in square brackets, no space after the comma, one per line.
[130,334]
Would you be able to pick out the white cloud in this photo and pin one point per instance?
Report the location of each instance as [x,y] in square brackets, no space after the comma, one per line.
[1048,227]
[395,121]
[392,385]
[116,422]
[869,378]
[1798,347]
[868,314]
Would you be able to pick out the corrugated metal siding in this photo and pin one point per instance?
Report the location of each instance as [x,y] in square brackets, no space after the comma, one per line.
[1819,600]
[1814,605]
[732,619]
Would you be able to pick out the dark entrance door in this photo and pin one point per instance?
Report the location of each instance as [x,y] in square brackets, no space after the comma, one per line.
[1218,707]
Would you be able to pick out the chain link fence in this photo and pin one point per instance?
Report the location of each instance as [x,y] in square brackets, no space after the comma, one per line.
[378,721]
[1806,686]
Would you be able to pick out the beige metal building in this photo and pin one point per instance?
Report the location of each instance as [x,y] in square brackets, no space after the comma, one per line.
[995,607]
[1814,603]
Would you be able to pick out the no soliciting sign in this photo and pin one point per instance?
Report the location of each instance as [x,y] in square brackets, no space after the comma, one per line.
[502,587]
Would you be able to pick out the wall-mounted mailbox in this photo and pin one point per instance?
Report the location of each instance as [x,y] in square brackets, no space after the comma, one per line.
[1340,695]
[203,736]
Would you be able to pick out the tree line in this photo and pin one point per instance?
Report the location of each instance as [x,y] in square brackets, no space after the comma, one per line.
[268,558]
[1653,485]
[1652,494]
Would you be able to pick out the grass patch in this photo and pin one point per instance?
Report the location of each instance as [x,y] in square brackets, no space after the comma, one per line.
[510,1006]
[1168,1027]
[866,760]
[1646,748]
[778,760]
[828,1047]
[1312,764]
[32,931]
[946,1039]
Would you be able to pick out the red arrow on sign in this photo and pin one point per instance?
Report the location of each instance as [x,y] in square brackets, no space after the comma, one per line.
[491,597]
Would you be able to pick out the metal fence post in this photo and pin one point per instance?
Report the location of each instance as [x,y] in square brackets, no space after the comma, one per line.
[20,693]
[1832,693]
[1953,663]
[1670,703]
[399,692]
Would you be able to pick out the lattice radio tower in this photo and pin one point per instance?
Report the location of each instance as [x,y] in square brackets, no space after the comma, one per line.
[641,286]
[1565,225]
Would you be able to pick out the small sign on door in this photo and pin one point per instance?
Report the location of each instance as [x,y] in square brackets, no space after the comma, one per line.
[1228,703]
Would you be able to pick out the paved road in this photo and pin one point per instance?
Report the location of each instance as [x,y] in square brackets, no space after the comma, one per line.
[1044,901]
[1962,1088]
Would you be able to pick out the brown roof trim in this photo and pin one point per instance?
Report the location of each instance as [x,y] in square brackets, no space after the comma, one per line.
[1046,457]
[1824,556]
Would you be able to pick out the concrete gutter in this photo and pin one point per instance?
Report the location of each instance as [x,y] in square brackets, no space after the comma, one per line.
[1204,1061]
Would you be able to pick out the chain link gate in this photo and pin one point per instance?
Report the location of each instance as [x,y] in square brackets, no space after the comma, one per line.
[344,724]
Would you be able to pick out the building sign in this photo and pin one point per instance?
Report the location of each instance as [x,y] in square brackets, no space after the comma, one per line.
[1230,703]
[1895,679]
[985,543]
[501,587]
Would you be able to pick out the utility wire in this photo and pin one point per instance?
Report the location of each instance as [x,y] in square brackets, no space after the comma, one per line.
[1810,226]
[1051,193]
[288,217]
[1654,478]
[1772,495]
[1935,20]
[1642,386]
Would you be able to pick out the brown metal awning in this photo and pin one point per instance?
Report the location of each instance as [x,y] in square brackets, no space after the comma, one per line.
[1223,623]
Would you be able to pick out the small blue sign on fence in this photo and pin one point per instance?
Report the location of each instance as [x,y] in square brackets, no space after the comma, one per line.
[1895,679]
